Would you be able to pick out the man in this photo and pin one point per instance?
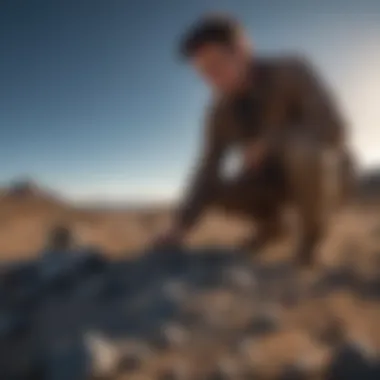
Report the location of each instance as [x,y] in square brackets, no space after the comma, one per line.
[278,113]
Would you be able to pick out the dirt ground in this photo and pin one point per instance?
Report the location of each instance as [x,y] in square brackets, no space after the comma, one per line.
[26,222]
[268,334]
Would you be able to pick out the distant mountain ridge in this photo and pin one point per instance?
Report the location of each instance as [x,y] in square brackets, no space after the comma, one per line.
[31,190]
[31,193]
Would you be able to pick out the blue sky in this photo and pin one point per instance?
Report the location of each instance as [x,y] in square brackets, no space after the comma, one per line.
[94,103]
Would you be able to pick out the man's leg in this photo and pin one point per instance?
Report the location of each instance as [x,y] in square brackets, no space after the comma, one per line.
[252,197]
[315,183]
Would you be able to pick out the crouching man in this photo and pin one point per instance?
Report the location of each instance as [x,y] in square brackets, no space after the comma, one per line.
[291,136]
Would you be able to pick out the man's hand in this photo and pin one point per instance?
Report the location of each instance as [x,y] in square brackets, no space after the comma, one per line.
[172,238]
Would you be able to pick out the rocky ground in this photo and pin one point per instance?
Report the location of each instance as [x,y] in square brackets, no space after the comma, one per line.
[211,312]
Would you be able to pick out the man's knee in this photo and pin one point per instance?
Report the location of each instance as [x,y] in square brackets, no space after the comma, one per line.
[314,170]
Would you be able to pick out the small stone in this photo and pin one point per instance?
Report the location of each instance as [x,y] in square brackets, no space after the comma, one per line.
[240,278]
[104,354]
[60,238]
[172,335]
[266,322]
[175,334]
[175,291]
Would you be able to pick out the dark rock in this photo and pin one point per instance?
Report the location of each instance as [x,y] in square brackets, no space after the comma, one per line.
[113,288]
[60,238]
[266,322]
[60,271]
[90,289]
[21,362]
[109,357]
[91,262]
[171,335]
[67,361]
[13,324]
[24,188]
[19,275]
[351,363]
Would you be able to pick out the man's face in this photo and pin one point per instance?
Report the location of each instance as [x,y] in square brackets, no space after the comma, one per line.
[222,67]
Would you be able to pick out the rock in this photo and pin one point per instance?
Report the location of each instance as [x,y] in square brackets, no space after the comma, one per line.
[113,287]
[91,289]
[89,262]
[59,271]
[19,275]
[240,278]
[105,356]
[19,360]
[67,361]
[56,265]
[352,362]
[110,356]
[175,334]
[12,324]
[175,291]
[170,335]
[60,239]
[267,321]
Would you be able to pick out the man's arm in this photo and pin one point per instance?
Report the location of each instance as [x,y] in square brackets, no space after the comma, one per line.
[318,110]
[205,180]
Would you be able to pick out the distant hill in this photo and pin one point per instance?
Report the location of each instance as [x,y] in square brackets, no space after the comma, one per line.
[28,196]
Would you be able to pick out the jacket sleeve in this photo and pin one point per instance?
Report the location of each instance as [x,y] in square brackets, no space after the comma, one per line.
[206,177]
[317,108]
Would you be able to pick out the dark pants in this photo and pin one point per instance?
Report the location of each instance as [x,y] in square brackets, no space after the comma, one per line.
[312,178]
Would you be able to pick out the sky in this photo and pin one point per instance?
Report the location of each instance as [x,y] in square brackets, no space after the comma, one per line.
[95,103]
